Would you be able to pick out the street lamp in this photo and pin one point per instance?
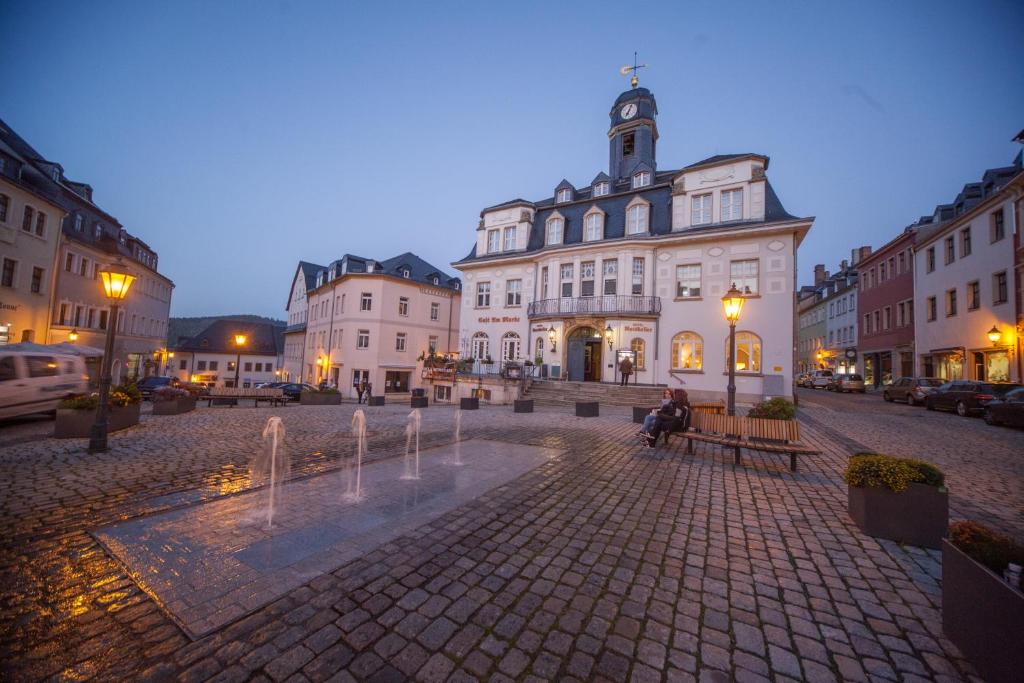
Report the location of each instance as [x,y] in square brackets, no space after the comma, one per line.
[608,332]
[994,335]
[116,283]
[240,340]
[73,336]
[732,302]
[552,335]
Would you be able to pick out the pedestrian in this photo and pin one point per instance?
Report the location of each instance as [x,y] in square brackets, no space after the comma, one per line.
[361,389]
[625,369]
[369,391]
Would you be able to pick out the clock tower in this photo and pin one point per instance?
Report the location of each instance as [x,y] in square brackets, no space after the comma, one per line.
[633,134]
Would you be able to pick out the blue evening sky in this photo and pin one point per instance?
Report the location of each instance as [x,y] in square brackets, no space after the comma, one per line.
[239,137]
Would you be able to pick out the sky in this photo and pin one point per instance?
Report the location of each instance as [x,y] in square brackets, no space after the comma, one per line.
[237,138]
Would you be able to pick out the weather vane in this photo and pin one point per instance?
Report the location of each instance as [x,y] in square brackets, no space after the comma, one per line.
[626,68]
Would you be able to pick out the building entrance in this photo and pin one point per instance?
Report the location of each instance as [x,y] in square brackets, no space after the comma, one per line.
[584,355]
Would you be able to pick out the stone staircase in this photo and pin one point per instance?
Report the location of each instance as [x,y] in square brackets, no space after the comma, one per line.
[555,393]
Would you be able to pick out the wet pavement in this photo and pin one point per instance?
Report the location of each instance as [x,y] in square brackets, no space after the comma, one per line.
[607,563]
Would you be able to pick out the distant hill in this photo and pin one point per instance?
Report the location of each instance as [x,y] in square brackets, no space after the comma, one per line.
[190,327]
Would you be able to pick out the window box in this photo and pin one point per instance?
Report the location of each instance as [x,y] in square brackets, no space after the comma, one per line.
[320,398]
[74,424]
[983,615]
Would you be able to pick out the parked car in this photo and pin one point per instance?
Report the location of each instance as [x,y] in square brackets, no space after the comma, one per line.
[148,385]
[966,397]
[821,379]
[802,378]
[292,390]
[32,382]
[911,389]
[849,383]
[1008,410]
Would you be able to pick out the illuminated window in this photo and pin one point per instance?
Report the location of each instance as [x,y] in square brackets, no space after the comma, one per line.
[687,351]
[748,352]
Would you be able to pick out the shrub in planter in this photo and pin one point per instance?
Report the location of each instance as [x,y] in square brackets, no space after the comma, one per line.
[774,409]
[173,401]
[900,499]
[982,613]
[328,396]
[76,415]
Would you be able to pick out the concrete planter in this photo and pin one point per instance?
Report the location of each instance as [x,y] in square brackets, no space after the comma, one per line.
[587,409]
[75,424]
[418,402]
[469,403]
[319,398]
[918,516]
[375,401]
[524,405]
[175,407]
[982,615]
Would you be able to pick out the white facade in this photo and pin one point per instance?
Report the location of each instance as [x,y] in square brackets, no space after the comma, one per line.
[295,332]
[964,287]
[218,369]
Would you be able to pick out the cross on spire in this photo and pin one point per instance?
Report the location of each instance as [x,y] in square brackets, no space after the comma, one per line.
[626,68]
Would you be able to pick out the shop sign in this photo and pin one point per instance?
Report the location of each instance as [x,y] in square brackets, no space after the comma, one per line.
[9,307]
[539,328]
[499,319]
[638,328]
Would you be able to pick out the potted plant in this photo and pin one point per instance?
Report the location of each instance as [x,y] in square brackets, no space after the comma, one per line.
[983,599]
[900,499]
[76,415]
[173,401]
[774,409]
[328,396]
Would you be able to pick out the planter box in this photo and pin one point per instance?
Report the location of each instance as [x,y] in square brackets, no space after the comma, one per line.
[175,407]
[918,516]
[587,409]
[418,402]
[73,424]
[640,412]
[522,406]
[317,398]
[469,403]
[375,401]
[982,615]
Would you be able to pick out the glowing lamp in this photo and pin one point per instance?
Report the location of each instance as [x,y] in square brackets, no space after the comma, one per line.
[73,336]
[240,339]
[552,336]
[994,335]
[116,284]
[732,303]
[608,335]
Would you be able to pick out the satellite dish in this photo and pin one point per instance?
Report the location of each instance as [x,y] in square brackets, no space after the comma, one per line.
[626,68]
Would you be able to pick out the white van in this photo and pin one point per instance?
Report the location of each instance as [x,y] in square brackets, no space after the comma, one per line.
[35,382]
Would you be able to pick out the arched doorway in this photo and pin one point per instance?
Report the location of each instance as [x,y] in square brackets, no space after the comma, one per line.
[584,355]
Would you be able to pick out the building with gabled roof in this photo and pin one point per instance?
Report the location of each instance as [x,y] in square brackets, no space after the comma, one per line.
[213,357]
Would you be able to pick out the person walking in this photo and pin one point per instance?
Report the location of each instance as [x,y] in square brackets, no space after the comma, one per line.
[625,370]
[360,390]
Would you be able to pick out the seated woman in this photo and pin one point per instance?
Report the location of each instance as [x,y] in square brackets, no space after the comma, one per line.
[666,407]
[674,414]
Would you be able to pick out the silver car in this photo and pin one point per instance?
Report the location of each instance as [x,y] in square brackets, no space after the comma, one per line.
[821,379]
[849,383]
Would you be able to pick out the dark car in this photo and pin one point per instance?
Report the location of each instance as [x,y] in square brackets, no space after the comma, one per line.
[911,389]
[1008,410]
[150,384]
[292,390]
[966,397]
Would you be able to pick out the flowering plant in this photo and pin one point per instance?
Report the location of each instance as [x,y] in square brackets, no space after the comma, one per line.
[896,474]
[986,547]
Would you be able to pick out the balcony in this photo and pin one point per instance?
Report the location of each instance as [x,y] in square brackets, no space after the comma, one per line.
[595,305]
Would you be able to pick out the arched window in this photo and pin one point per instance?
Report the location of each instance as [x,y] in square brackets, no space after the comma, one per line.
[687,351]
[510,346]
[748,352]
[556,228]
[481,346]
[638,346]
[636,219]
[539,350]
[593,226]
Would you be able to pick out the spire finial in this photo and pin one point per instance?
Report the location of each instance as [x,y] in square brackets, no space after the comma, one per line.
[626,68]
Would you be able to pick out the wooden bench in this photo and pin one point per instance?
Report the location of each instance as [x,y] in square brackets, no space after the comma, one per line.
[752,433]
[711,407]
[222,394]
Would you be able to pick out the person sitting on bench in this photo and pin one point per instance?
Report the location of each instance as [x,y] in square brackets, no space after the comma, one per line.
[666,406]
[675,416]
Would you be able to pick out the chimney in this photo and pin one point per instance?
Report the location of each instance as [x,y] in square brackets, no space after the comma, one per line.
[859,254]
[843,265]
[819,273]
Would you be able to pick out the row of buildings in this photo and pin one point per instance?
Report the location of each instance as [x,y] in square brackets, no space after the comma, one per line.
[943,298]
[54,239]
[633,263]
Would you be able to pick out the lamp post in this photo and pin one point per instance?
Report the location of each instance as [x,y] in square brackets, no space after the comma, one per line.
[732,302]
[116,283]
[240,340]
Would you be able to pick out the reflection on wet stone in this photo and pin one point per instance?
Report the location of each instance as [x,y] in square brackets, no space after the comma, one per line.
[211,563]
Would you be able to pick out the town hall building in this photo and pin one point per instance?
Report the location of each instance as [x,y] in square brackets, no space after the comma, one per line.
[634,263]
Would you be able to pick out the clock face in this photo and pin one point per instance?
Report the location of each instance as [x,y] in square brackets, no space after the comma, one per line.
[628,111]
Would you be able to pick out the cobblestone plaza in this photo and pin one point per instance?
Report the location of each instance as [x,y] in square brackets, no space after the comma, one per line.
[605,562]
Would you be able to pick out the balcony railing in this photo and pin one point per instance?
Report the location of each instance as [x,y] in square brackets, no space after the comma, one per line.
[595,305]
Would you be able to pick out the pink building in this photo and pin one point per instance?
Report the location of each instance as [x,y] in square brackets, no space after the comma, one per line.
[886,310]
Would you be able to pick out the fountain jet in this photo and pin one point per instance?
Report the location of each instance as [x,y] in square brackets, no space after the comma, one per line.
[412,429]
[354,491]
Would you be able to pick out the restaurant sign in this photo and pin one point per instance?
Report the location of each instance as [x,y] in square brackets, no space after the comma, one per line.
[638,328]
[499,319]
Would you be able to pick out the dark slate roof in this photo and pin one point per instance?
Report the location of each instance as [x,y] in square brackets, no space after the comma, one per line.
[632,95]
[419,270]
[614,206]
[309,271]
[219,337]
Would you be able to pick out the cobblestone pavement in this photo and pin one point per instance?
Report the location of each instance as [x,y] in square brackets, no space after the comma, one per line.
[610,563]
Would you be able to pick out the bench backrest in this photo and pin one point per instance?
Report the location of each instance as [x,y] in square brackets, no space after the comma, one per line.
[746,427]
[246,392]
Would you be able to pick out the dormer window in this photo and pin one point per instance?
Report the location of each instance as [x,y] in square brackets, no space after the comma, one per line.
[564,195]
[56,174]
[555,231]
[510,238]
[601,189]
[319,279]
[434,280]
[405,273]
[641,179]
[732,205]
[493,241]
[593,225]
[99,230]
[78,222]
[637,219]
[122,236]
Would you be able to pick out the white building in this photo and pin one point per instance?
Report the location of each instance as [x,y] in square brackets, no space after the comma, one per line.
[635,263]
[213,357]
[964,282]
